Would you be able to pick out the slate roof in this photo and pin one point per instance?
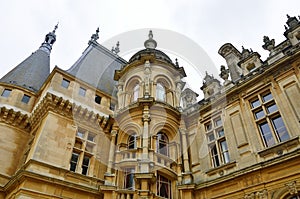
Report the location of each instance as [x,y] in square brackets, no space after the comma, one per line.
[31,73]
[97,66]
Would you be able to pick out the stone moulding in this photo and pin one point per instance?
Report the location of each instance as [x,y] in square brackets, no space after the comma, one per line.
[68,109]
[14,118]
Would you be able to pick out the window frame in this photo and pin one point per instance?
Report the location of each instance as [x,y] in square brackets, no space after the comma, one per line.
[128,182]
[85,148]
[26,99]
[82,91]
[218,155]
[160,92]
[268,108]
[163,181]
[162,144]
[6,92]
[135,92]
[65,83]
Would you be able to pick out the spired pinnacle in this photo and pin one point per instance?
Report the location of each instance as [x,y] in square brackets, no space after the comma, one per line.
[49,40]
[150,43]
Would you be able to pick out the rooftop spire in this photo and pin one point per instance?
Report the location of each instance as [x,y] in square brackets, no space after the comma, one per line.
[150,43]
[49,40]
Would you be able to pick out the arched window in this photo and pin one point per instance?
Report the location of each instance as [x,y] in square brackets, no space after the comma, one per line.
[163,187]
[160,92]
[162,144]
[132,142]
[136,91]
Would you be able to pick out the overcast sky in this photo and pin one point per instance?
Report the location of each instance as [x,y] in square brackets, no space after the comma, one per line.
[210,24]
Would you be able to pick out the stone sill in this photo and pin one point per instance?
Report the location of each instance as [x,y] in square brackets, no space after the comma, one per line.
[221,168]
[278,148]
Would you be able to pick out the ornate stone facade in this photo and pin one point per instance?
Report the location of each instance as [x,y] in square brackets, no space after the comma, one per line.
[143,134]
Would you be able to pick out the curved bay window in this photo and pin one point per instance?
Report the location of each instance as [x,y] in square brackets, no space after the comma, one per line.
[132,142]
[163,187]
[136,91]
[160,92]
[162,144]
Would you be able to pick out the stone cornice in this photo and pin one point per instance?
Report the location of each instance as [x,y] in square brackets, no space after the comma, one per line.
[289,157]
[23,173]
[70,110]
[14,118]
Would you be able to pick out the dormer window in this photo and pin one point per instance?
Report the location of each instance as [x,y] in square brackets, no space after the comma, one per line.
[160,92]
[6,93]
[25,99]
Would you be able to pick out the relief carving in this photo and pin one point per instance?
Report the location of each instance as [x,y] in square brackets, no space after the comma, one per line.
[292,188]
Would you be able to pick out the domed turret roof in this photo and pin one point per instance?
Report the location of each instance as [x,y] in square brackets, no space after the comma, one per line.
[159,55]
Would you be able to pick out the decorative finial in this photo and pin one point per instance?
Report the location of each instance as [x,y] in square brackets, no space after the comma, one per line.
[285,27]
[95,36]
[55,27]
[150,35]
[243,48]
[288,16]
[150,43]
[176,62]
[116,49]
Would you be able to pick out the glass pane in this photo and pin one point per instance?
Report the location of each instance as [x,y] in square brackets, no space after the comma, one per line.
[136,90]
[25,99]
[224,146]
[98,99]
[280,129]
[65,83]
[80,134]
[86,161]
[6,93]
[266,134]
[221,133]
[272,108]
[259,114]
[160,92]
[267,97]
[211,137]
[73,162]
[255,103]
[89,148]
[82,91]
[215,156]
[91,137]
[208,126]
[218,122]
[132,142]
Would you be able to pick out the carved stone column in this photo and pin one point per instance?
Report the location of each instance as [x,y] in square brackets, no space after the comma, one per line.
[109,176]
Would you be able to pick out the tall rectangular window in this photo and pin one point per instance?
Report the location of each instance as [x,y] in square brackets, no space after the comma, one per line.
[268,119]
[216,142]
[163,187]
[83,151]
[98,99]
[6,93]
[129,178]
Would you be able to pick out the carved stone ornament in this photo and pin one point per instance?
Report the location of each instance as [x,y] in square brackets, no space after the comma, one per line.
[268,44]
[292,188]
